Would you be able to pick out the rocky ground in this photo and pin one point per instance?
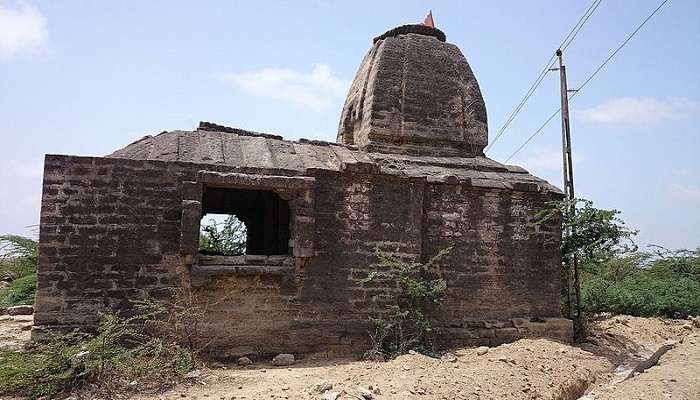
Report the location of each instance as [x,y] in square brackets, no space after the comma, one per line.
[15,331]
[526,369]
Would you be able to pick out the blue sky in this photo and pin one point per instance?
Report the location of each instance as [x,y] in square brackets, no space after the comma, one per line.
[86,77]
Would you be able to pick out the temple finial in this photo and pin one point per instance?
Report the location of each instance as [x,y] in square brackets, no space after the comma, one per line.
[428,21]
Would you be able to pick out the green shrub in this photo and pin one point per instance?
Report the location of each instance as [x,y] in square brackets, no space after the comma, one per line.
[408,326]
[118,352]
[20,291]
[663,284]
[18,262]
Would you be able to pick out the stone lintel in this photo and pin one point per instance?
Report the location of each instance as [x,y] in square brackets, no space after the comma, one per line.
[254,180]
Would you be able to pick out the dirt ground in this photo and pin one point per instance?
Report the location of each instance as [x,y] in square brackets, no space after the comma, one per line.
[15,331]
[677,376]
[526,369]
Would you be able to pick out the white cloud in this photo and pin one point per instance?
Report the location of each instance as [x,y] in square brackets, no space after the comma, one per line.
[685,192]
[546,159]
[317,90]
[640,110]
[22,29]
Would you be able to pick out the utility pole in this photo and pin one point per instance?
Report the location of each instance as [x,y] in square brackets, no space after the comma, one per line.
[568,165]
[566,131]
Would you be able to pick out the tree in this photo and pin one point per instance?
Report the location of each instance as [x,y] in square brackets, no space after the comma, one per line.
[590,236]
[18,262]
[226,238]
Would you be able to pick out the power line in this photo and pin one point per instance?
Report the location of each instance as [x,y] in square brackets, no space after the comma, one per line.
[620,47]
[534,134]
[580,24]
[590,77]
[565,43]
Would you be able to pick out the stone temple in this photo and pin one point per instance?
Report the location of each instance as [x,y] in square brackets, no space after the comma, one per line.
[407,175]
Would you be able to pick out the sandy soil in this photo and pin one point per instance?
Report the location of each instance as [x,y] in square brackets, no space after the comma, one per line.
[677,376]
[15,331]
[526,369]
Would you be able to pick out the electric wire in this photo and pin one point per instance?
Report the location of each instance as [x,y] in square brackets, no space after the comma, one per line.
[590,77]
[568,39]
[580,24]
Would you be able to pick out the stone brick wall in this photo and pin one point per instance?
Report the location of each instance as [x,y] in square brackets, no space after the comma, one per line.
[110,232]
[495,255]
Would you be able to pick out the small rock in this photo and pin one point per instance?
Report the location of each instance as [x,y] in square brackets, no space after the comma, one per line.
[4,284]
[685,326]
[503,359]
[330,396]
[195,373]
[695,321]
[480,351]
[364,394]
[449,357]
[21,310]
[412,352]
[282,360]
[321,387]
[81,356]
[244,361]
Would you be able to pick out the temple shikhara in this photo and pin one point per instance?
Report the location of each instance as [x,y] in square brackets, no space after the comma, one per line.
[407,175]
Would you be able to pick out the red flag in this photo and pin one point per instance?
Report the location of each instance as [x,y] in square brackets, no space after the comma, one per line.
[428,21]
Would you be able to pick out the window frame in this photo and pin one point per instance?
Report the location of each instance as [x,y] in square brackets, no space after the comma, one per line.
[297,191]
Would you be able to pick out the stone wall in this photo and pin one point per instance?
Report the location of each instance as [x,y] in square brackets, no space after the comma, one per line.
[110,232]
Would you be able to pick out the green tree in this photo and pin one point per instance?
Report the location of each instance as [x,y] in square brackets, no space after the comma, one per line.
[590,236]
[18,262]
[226,238]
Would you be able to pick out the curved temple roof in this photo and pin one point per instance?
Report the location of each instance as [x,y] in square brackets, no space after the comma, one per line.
[413,110]
[415,94]
[220,145]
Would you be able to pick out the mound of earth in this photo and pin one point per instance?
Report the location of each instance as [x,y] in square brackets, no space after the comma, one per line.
[526,369]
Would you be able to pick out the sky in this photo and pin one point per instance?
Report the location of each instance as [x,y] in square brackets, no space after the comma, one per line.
[86,78]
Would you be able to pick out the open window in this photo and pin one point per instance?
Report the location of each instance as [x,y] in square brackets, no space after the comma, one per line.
[241,221]
[270,222]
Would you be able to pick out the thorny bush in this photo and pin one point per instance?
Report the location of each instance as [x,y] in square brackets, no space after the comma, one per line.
[420,290]
[121,351]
